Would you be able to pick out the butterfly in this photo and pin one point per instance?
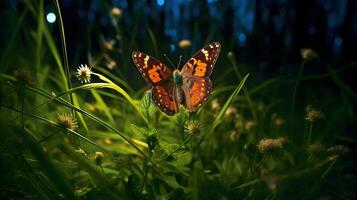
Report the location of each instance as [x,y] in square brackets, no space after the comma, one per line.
[190,87]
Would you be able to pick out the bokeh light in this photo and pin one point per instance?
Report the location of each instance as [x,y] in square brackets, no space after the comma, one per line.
[51,17]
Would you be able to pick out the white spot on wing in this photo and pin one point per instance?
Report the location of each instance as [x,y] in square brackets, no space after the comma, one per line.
[146,61]
[205,52]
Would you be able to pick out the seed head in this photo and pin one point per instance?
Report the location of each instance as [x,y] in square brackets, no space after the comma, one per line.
[279,121]
[184,44]
[338,150]
[312,114]
[215,106]
[268,144]
[117,12]
[192,127]
[98,157]
[108,44]
[84,73]
[308,54]
[67,121]
[234,136]
[316,148]
[231,111]
[230,55]
[249,125]
[111,64]
[108,141]
[81,151]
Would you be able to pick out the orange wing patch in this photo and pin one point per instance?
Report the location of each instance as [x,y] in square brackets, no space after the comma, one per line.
[201,69]
[202,62]
[153,71]
[196,92]
[154,75]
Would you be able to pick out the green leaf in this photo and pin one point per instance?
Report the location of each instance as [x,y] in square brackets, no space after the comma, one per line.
[138,131]
[183,158]
[172,182]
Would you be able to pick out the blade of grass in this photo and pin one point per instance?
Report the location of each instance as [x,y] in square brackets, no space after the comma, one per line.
[328,168]
[10,42]
[341,84]
[100,180]
[64,51]
[219,116]
[245,90]
[81,118]
[125,94]
[39,34]
[179,147]
[133,34]
[99,121]
[255,181]
[292,109]
[103,105]
[52,172]
[153,40]
[53,49]
[51,44]
[59,126]
[87,86]
[115,78]
[40,185]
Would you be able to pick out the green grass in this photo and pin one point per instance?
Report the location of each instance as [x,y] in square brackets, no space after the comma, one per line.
[252,140]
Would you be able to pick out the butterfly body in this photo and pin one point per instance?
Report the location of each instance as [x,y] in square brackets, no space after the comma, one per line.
[189,87]
[176,77]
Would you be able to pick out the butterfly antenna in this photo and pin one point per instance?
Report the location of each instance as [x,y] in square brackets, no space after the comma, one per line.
[179,62]
[169,60]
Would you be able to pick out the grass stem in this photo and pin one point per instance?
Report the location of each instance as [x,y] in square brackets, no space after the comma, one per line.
[292,109]
[64,52]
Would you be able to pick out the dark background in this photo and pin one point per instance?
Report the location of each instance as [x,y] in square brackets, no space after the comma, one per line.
[273,30]
[266,33]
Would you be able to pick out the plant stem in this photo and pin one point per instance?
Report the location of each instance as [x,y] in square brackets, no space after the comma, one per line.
[245,90]
[64,51]
[22,92]
[309,134]
[292,110]
[328,169]
[179,147]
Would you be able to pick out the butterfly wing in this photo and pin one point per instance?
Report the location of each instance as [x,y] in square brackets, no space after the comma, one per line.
[196,83]
[196,91]
[159,76]
[153,71]
[202,62]
[164,97]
